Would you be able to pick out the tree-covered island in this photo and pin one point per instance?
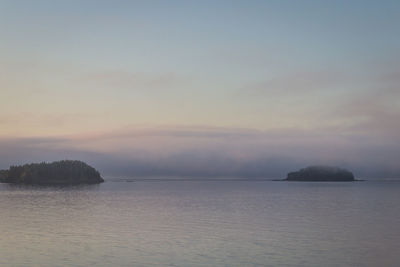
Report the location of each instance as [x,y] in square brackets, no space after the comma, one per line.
[321,174]
[65,172]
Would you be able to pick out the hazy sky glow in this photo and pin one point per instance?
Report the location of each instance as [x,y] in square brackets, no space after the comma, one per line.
[202,87]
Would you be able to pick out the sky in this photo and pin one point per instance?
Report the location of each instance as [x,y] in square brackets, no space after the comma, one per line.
[202,88]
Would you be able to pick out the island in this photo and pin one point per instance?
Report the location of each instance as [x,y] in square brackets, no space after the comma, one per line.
[321,174]
[64,172]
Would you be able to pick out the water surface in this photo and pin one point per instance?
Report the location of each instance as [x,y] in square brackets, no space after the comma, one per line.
[194,223]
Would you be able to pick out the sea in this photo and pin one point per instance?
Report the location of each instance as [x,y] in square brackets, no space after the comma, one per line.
[184,222]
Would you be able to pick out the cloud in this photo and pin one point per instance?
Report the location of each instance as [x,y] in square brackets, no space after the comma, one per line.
[201,151]
[357,129]
[299,82]
[123,80]
[374,110]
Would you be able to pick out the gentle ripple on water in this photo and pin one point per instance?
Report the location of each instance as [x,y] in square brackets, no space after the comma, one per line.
[210,223]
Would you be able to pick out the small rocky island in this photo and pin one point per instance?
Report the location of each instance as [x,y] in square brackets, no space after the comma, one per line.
[65,172]
[321,174]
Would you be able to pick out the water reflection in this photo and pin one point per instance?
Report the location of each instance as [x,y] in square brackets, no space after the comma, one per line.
[30,187]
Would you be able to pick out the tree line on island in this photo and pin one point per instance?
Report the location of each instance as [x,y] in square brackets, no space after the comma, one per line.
[58,172]
[78,172]
[321,174]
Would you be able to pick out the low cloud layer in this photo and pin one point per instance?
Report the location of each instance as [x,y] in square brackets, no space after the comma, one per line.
[211,152]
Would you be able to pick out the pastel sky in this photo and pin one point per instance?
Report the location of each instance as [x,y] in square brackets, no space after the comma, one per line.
[227,88]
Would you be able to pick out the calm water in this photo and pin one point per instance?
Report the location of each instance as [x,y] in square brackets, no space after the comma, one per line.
[210,223]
